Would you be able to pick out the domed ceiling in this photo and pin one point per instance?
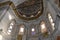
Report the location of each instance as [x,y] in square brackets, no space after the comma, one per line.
[30,9]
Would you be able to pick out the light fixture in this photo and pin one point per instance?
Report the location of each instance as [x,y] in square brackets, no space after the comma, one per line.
[33,29]
[0,37]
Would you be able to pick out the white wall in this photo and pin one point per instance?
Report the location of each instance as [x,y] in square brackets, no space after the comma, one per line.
[4,23]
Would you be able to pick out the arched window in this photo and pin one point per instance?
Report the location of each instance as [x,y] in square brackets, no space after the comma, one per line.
[43,27]
[44,30]
[51,21]
[33,31]
[21,30]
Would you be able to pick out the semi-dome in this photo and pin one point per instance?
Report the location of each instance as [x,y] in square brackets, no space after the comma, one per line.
[30,9]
